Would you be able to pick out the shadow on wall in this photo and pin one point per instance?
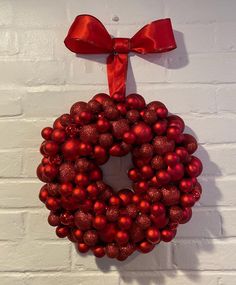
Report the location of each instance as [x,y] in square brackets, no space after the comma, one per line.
[166,259]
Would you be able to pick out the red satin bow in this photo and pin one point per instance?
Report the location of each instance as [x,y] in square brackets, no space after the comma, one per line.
[87,35]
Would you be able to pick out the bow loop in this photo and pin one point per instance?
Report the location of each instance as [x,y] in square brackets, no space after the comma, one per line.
[87,35]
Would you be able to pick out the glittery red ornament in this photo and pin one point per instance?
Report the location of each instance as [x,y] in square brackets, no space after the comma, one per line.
[112,213]
[83,220]
[82,165]
[171,195]
[67,172]
[143,221]
[112,250]
[162,145]
[90,237]
[176,214]
[133,116]
[119,128]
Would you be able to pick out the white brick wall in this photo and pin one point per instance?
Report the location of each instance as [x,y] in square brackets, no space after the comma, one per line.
[40,79]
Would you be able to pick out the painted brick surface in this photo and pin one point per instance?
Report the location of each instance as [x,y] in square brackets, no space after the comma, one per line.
[40,79]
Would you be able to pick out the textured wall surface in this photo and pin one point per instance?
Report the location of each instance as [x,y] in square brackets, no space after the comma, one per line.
[40,79]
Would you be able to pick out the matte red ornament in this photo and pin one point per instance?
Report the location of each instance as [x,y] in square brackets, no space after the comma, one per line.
[163,171]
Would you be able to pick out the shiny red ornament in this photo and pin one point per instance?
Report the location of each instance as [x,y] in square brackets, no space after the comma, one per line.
[53,220]
[124,222]
[153,235]
[187,200]
[167,235]
[194,168]
[103,125]
[99,222]
[58,135]
[121,237]
[142,132]
[145,247]
[70,149]
[62,231]
[46,133]
[163,170]
[82,247]
[186,185]
[99,251]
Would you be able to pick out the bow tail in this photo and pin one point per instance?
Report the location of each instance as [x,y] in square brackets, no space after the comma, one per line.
[117,66]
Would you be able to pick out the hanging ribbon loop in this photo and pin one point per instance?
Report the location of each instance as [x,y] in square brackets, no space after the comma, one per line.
[87,35]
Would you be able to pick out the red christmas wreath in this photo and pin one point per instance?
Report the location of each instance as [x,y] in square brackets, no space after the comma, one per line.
[164,186]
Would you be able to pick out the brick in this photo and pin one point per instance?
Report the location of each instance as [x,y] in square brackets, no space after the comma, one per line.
[225,39]
[10,104]
[218,191]
[31,160]
[204,224]
[34,256]
[10,163]
[73,279]
[12,225]
[53,103]
[6,13]
[211,156]
[39,14]
[185,11]
[88,70]
[92,70]
[168,278]
[16,279]
[221,134]
[8,43]
[35,72]
[227,279]
[158,259]
[44,104]
[201,42]
[152,65]
[19,194]
[229,222]
[203,68]
[105,10]
[197,99]
[36,44]
[38,227]
[21,133]
[225,99]
[204,254]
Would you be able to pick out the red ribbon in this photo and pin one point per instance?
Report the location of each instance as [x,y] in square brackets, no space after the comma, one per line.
[87,35]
